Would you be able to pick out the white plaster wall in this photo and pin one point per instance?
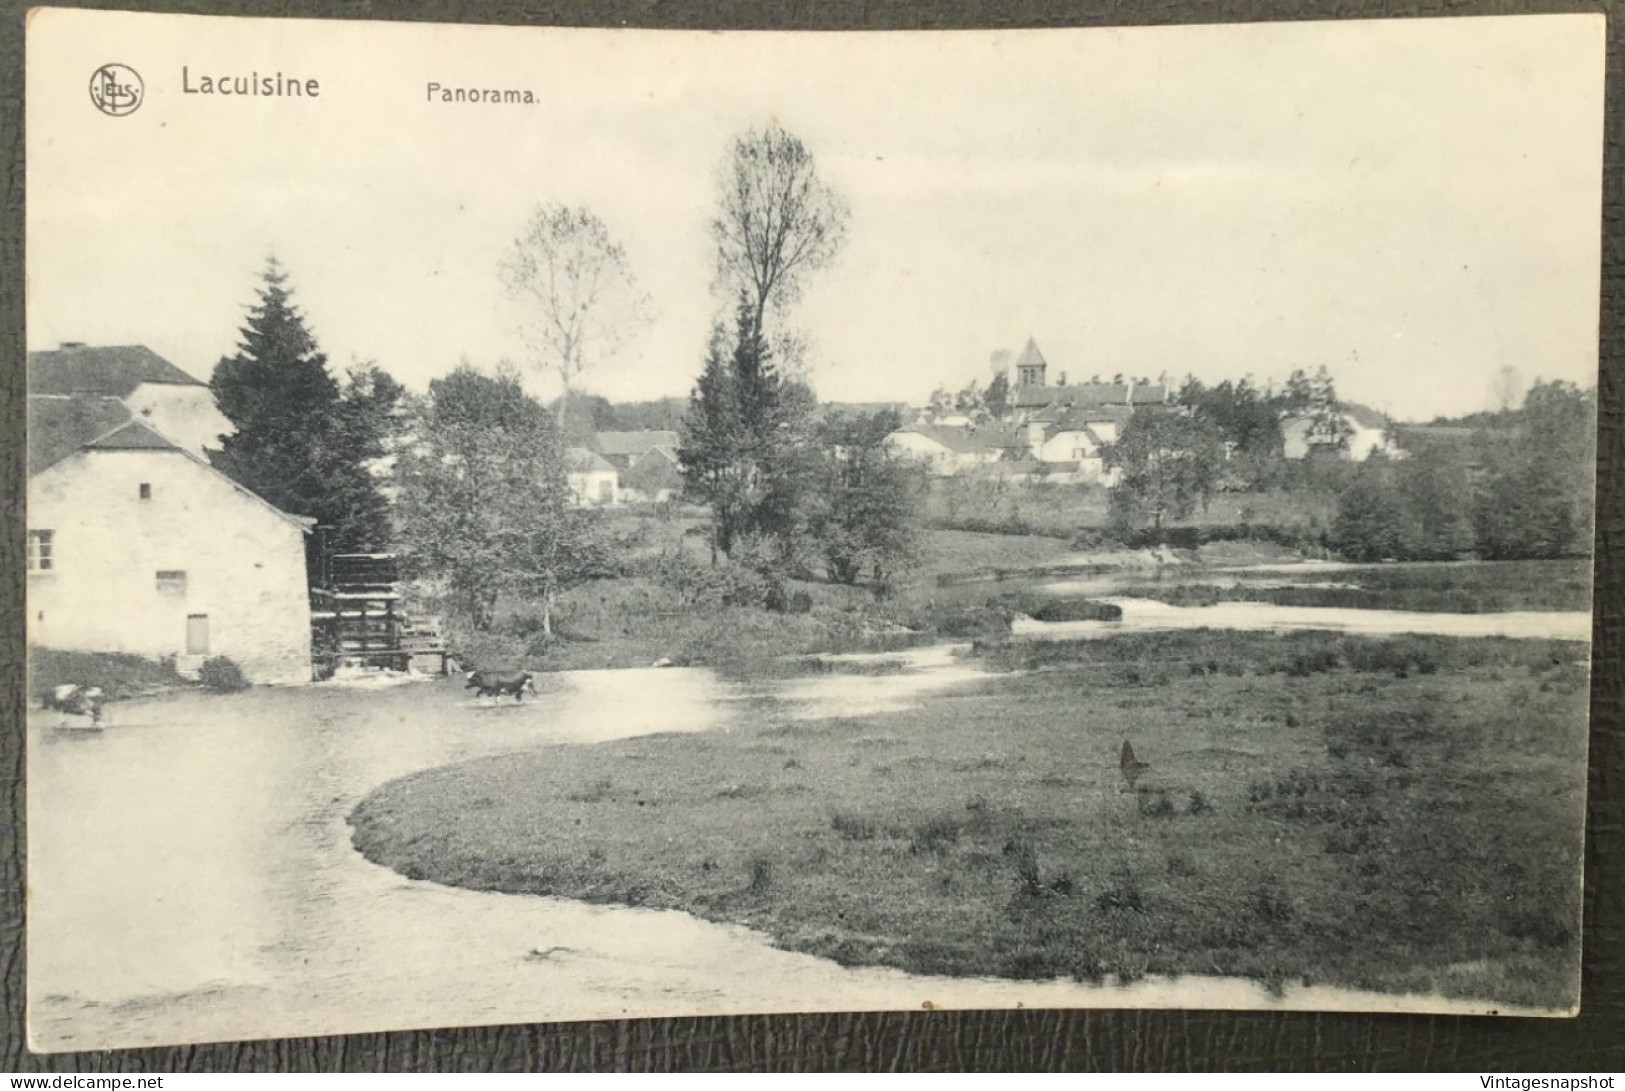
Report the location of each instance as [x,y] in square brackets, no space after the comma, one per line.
[914,445]
[587,487]
[186,415]
[1067,447]
[244,564]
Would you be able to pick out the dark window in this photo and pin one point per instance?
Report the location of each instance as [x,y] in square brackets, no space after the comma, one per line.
[146,491]
[172,583]
[41,550]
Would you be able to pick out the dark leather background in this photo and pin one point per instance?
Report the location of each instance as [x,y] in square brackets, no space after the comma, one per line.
[1027,1040]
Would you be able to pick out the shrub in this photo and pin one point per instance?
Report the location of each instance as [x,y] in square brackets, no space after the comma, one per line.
[1123,894]
[853,827]
[970,623]
[935,834]
[761,873]
[117,675]
[221,675]
[1077,610]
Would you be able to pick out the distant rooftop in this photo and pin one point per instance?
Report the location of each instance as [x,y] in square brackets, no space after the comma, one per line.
[579,460]
[109,370]
[59,426]
[634,444]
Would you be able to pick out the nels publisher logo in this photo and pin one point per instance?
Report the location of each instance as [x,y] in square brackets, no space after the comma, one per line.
[116,89]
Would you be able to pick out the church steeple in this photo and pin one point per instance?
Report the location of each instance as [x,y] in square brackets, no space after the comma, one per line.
[1030,365]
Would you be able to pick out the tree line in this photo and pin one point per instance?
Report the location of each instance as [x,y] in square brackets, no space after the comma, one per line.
[468,482]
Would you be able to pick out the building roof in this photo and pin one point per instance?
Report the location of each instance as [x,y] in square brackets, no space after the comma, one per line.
[989,437]
[1076,429]
[579,460]
[1030,356]
[134,436]
[109,370]
[1075,418]
[1361,415]
[1089,394]
[1365,417]
[59,426]
[657,455]
[634,444]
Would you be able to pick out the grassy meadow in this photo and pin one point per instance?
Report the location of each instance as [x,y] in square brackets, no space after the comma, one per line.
[1399,815]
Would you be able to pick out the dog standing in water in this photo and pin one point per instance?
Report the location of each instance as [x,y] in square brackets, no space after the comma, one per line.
[496,683]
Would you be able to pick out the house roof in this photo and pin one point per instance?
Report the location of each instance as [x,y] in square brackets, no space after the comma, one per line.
[657,454]
[59,426]
[1365,417]
[1076,418]
[1090,394]
[970,440]
[1077,429]
[134,436]
[579,460]
[634,444]
[1030,356]
[1361,415]
[109,370]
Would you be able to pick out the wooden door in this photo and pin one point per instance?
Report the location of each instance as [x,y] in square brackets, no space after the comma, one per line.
[197,634]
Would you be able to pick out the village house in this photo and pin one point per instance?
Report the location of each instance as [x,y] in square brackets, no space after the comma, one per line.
[1072,442]
[948,450]
[623,449]
[654,478]
[137,545]
[646,461]
[1369,433]
[594,482]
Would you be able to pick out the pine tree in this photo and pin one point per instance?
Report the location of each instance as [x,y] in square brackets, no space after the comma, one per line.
[745,449]
[302,442]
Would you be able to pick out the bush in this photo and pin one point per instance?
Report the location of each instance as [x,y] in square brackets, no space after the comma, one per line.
[726,583]
[1077,610]
[117,675]
[221,675]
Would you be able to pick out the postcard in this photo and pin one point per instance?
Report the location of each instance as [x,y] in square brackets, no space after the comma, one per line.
[534,524]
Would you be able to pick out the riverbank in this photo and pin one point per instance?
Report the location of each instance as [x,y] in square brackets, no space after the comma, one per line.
[1353,818]
[975,585]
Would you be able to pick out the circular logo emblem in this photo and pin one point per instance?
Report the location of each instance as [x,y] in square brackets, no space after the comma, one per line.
[116,89]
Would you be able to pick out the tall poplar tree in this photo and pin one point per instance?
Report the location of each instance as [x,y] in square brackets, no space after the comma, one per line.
[302,442]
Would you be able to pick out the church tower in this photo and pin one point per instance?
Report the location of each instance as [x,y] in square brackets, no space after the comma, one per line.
[1030,365]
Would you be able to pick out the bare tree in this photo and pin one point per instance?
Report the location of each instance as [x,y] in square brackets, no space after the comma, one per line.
[776,220]
[580,302]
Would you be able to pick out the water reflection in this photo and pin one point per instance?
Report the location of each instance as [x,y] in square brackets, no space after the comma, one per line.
[1146,615]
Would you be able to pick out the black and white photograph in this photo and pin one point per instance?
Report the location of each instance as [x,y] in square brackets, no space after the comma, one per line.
[539,524]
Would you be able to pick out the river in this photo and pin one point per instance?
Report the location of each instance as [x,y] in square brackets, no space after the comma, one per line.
[191,876]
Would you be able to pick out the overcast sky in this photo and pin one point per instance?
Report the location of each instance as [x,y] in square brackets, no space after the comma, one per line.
[1414,204]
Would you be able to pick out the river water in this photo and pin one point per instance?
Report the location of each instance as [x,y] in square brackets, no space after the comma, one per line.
[191,876]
